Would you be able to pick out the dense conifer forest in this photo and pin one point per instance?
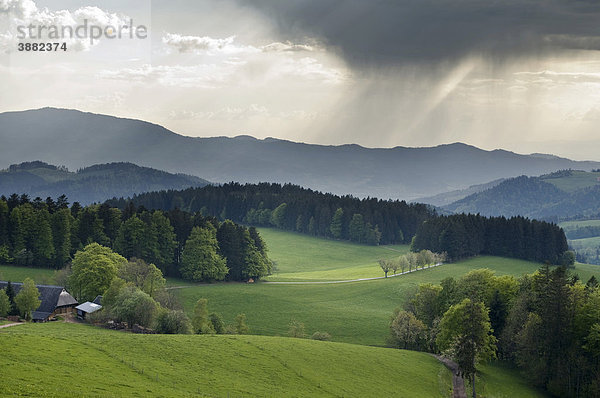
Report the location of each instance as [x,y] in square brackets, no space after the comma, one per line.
[48,233]
[293,208]
[462,236]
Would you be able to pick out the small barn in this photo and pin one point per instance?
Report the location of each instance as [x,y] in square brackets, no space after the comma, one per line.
[87,308]
[55,300]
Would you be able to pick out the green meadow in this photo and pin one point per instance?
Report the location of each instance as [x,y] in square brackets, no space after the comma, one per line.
[500,380]
[566,225]
[577,180]
[70,360]
[300,257]
[585,243]
[18,274]
[355,312]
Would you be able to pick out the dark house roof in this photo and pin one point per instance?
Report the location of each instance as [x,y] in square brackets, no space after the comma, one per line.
[52,297]
[98,300]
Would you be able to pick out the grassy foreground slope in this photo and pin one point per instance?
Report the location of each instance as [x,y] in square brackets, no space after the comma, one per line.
[61,359]
[302,257]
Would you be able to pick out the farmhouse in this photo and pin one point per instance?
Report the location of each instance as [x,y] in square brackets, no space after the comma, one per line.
[55,300]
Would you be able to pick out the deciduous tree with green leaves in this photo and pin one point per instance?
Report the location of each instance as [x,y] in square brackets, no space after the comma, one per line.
[466,336]
[240,324]
[200,259]
[143,275]
[27,300]
[4,303]
[135,307]
[386,266]
[93,270]
[406,329]
[200,320]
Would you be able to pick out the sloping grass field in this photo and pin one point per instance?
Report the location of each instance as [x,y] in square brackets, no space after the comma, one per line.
[585,243]
[579,224]
[499,380]
[577,180]
[356,312]
[70,360]
[13,273]
[300,257]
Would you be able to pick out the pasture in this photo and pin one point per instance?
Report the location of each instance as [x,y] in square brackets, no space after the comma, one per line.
[71,360]
[300,257]
[355,312]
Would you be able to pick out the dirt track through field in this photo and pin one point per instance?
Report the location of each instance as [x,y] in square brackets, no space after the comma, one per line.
[11,324]
[321,282]
[458,383]
[351,280]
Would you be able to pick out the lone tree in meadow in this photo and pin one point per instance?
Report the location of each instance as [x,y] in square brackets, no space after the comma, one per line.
[296,329]
[27,299]
[240,324]
[466,337]
[200,320]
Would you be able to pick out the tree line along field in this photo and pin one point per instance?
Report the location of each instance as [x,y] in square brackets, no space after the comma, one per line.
[61,359]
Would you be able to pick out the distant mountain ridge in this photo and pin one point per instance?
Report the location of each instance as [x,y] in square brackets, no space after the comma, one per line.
[446,198]
[561,195]
[91,184]
[76,139]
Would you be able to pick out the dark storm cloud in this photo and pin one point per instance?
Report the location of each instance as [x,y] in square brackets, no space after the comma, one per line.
[388,32]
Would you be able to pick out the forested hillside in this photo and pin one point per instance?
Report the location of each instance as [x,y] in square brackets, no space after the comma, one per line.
[447,198]
[48,233]
[567,194]
[290,207]
[90,184]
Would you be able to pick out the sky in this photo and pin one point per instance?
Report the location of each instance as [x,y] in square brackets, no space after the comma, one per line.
[521,75]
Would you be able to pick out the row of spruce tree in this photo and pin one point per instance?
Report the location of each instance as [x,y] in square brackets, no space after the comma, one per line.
[48,234]
[467,235]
